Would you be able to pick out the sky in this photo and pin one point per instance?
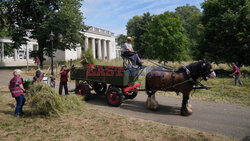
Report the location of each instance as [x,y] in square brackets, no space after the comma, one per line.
[113,15]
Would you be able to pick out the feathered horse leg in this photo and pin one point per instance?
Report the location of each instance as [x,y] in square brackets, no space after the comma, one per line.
[151,102]
[186,108]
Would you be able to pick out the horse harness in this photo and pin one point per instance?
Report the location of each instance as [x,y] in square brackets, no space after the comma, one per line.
[189,79]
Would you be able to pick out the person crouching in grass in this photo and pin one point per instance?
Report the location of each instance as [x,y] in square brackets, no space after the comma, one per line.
[64,79]
[17,91]
[38,76]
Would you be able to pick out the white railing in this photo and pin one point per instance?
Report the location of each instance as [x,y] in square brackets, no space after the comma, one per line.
[100,31]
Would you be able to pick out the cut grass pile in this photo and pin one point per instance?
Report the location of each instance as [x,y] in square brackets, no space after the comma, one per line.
[89,124]
[46,101]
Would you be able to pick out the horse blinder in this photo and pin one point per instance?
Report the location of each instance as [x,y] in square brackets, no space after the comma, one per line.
[208,72]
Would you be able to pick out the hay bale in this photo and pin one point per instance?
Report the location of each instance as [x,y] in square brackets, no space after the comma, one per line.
[46,101]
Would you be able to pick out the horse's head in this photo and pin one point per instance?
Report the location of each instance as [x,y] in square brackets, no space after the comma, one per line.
[207,70]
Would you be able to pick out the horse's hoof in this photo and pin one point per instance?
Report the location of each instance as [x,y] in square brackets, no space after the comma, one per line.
[189,110]
[154,107]
[148,103]
[189,106]
[186,112]
[152,104]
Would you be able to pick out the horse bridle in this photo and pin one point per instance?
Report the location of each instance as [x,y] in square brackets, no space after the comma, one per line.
[207,72]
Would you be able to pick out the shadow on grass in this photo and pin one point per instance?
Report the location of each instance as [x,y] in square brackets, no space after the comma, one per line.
[27,113]
[7,112]
[135,106]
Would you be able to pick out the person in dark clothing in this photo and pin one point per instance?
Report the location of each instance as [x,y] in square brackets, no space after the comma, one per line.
[38,76]
[38,62]
[64,80]
[129,53]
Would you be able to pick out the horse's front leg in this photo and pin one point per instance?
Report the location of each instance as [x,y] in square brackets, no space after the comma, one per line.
[151,102]
[185,110]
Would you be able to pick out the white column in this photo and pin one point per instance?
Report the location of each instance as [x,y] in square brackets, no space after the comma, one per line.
[27,52]
[79,51]
[99,49]
[104,49]
[108,50]
[2,52]
[27,56]
[15,54]
[86,43]
[93,47]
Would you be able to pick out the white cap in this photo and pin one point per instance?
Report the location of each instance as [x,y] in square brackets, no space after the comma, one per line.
[17,72]
[129,38]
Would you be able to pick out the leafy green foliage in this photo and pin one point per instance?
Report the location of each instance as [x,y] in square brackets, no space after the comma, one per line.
[8,49]
[165,39]
[37,18]
[87,57]
[136,27]
[121,39]
[227,26]
[191,18]
[4,25]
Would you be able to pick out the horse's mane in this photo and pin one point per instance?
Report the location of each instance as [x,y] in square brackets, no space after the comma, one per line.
[194,68]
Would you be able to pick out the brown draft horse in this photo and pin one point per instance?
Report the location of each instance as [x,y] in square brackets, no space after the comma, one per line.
[181,80]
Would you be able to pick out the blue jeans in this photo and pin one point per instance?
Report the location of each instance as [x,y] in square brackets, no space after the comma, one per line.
[135,59]
[20,100]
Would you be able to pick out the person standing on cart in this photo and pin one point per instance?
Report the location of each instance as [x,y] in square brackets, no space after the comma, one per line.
[64,80]
[128,52]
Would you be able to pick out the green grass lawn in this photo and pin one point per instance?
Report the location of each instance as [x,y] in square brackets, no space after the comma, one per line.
[223,90]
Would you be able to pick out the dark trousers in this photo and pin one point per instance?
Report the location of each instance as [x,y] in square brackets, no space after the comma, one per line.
[135,59]
[65,85]
[20,100]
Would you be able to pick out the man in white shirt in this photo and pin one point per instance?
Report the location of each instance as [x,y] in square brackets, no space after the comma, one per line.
[128,51]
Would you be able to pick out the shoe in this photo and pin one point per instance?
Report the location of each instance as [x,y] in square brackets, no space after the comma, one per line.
[17,116]
[21,113]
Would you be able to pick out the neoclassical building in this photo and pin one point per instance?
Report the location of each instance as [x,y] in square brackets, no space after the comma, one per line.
[21,56]
[101,42]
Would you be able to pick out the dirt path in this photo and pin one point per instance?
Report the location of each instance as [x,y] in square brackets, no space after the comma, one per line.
[226,119]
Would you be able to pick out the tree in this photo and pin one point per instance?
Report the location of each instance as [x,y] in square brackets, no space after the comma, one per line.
[121,39]
[4,26]
[136,27]
[165,39]
[191,18]
[37,18]
[226,24]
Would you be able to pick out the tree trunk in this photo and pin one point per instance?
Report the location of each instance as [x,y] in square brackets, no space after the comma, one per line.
[40,52]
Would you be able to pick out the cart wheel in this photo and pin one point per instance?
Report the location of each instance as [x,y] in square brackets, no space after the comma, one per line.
[130,95]
[83,90]
[114,97]
[100,88]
